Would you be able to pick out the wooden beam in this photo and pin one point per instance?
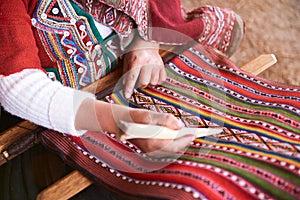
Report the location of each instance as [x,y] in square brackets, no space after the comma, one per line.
[66,187]
[11,135]
[105,82]
[260,64]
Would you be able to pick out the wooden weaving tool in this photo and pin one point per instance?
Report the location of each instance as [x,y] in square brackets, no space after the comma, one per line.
[135,130]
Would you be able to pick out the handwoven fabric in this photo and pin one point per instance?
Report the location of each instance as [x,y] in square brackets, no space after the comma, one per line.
[255,157]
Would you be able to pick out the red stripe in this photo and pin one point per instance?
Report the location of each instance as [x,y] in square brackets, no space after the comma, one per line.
[224,61]
[218,180]
[231,76]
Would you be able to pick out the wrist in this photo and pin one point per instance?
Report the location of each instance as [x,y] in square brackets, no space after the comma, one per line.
[95,115]
[140,44]
[85,117]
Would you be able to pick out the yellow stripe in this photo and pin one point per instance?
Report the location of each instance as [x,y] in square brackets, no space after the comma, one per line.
[245,149]
[70,73]
[68,65]
[55,46]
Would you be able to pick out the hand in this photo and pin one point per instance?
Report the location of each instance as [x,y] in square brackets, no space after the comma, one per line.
[143,66]
[100,116]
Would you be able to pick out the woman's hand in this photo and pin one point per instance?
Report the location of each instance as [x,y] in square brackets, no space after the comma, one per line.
[143,66]
[95,115]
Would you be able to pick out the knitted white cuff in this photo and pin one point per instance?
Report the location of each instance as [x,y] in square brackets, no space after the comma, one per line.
[31,95]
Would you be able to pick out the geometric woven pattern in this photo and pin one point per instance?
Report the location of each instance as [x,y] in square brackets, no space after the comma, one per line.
[256,156]
[228,134]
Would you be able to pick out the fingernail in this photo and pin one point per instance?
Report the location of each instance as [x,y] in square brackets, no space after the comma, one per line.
[127,95]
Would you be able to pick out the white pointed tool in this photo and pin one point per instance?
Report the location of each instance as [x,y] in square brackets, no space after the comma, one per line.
[135,130]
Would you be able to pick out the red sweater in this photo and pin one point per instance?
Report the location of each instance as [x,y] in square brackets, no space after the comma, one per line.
[19,48]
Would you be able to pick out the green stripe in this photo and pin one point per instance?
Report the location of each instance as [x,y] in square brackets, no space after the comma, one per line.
[255,180]
[273,169]
[109,57]
[76,74]
[218,93]
[233,113]
[230,99]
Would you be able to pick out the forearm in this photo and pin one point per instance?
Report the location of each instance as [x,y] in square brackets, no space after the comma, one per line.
[87,117]
[98,116]
[31,95]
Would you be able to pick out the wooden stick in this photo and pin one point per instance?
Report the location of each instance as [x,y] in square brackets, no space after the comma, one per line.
[11,135]
[66,187]
[136,130]
[105,82]
[260,64]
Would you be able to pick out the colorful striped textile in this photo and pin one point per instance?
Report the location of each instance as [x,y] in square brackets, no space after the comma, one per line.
[256,157]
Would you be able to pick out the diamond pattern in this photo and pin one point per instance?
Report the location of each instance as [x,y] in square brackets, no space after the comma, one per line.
[190,120]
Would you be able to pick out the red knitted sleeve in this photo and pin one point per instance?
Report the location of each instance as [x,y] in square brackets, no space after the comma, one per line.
[18,48]
[170,25]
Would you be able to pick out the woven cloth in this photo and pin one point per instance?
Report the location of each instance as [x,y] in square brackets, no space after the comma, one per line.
[255,157]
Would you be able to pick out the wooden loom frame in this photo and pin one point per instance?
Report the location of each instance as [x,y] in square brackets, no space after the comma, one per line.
[75,182]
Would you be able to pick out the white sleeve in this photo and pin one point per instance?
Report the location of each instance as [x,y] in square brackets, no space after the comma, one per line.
[31,95]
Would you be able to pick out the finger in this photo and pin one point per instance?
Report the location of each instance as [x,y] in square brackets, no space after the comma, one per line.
[132,76]
[155,76]
[162,76]
[161,73]
[165,148]
[141,116]
[150,117]
[144,76]
[151,146]
[179,144]
[125,65]
[167,120]
[124,70]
